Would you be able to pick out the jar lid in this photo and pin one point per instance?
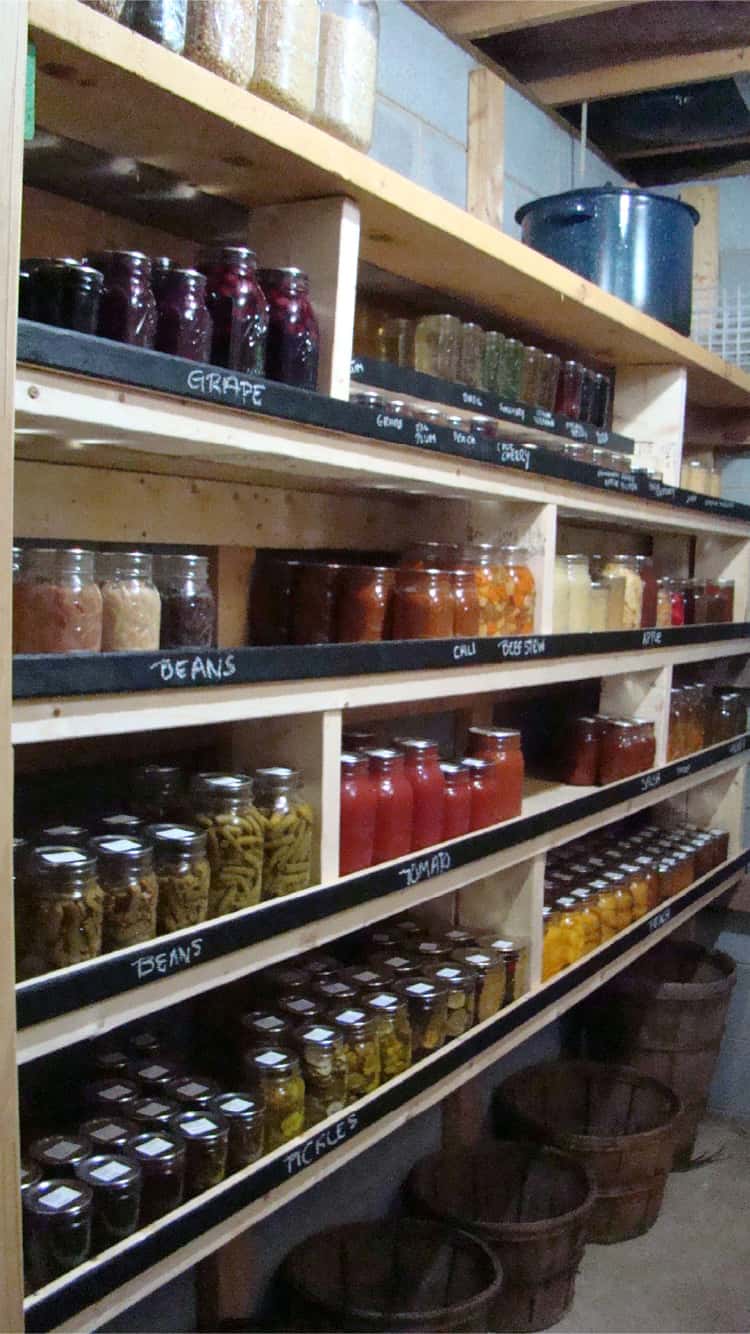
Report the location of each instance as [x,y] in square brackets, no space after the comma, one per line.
[384,756]
[114,1092]
[51,562]
[385,1001]
[354,1020]
[154,1111]
[239,1106]
[353,761]
[121,822]
[452,975]
[601,886]
[322,965]
[423,989]
[396,963]
[157,776]
[459,936]
[278,275]
[302,1007]
[409,928]
[155,1149]
[455,773]
[155,1073]
[567,903]
[227,254]
[284,978]
[263,1023]
[161,263]
[577,559]
[200,1125]
[193,1091]
[55,862]
[319,1035]
[173,837]
[510,949]
[115,852]
[415,743]
[516,554]
[112,1061]
[110,256]
[145,1043]
[273,1061]
[56,1199]
[236,786]
[108,1171]
[54,1152]
[278,776]
[335,990]
[71,835]
[179,566]
[474,762]
[366,979]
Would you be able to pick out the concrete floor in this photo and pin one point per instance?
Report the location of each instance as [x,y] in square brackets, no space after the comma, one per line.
[691,1272]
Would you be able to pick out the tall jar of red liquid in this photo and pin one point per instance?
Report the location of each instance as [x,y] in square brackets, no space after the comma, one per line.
[238,308]
[359,799]
[395,805]
[183,324]
[127,309]
[456,801]
[485,792]
[428,790]
[293,343]
[503,746]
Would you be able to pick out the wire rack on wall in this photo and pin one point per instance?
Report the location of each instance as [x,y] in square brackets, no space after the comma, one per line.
[721,322]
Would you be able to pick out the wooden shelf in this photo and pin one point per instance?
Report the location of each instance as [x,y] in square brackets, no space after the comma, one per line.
[102,85]
[93,998]
[93,1294]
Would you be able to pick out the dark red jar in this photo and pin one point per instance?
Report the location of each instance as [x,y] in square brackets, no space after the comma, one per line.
[183,326]
[160,268]
[456,801]
[238,308]
[650,590]
[271,600]
[66,294]
[394,810]
[428,790]
[485,792]
[359,800]
[293,343]
[314,603]
[127,310]
[581,756]
[503,747]
[568,401]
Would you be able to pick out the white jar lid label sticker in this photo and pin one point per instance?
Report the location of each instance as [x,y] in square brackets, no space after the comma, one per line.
[383,1000]
[154,1072]
[350,1016]
[122,845]
[120,819]
[110,1172]
[301,1006]
[271,1021]
[319,1034]
[154,1146]
[366,977]
[420,989]
[270,1058]
[236,1105]
[153,1109]
[449,972]
[108,1132]
[60,858]
[176,833]
[57,1199]
[63,829]
[480,959]
[192,1090]
[63,1150]
[116,1091]
[199,1127]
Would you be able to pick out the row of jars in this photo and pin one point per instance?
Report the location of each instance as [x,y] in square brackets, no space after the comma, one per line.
[700,716]
[601,750]
[622,592]
[439,590]
[236,840]
[71,600]
[398,799]
[598,886]
[224,310]
[444,346]
[316,58]
[701,477]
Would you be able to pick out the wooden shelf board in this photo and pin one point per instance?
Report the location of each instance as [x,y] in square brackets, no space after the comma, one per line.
[102,85]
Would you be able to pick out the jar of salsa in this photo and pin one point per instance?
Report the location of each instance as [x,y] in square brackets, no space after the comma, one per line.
[422,769]
[127,309]
[581,754]
[238,308]
[553,954]
[183,324]
[359,799]
[456,801]
[314,604]
[645,567]
[293,341]
[503,747]
[486,796]
[465,604]
[423,604]
[364,603]
[394,811]
[620,748]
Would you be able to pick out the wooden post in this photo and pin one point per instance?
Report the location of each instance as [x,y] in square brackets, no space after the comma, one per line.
[649,406]
[484,178]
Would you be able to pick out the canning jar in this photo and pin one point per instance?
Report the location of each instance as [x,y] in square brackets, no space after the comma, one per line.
[57,1229]
[184,327]
[286,54]
[131,605]
[274,1072]
[437,345]
[161,1157]
[59,918]
[126,874]
[568,399]
[520,591]
[236,303]
[359,801]
[220,36]
[288,831]
[110,1133]
[127,308]
[678,738]
[623,899]
[664,602]
[66,294]
[157,792]
[423,773]
[626,567]
[183,875]
[427,1000]
[618,750]
[325,1070]
[365,979]
[512,366]
[581,752]
[462,985]
[56,602]
[492,361]
[599,614]
[572,931]
[729,716]
[162,21]
[115,1096]
[494,588]
[188,610]
[456,801]
[553,951]
[695,592]
[561,608]
[579,594]
[314,602]
[394,964]
[646,866]
[423,604]
[154,1074]
[59,1155]
[152,1113]
[489,966]
[646,745]
[487,798]
[515,957]
[694,476]
[503,747]
[222,804]
[272,599]
[293,340]
[205,1136]
[465,603]
[193,1092]
[160,267]
[301,1009]
[364,603]
[262,1026]
[244,1116]
[359,1030]
[725,605]
[637,885]
[115,1183]
[606,906]
[590,917]
[531,372]
[549,375]
[395,341]
[335,991]
[694,697]
[588,385]
[391,1015]
[645,567]
[111,1061]
[471,355]
[600,401]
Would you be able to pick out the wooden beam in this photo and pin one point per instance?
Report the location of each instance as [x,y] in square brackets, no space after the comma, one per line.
[705,198]
[637,76]
[486,18]
[637,155]
[484,179]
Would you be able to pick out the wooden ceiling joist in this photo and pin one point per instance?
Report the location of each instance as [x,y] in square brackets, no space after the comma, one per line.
[638,76]
[472,19]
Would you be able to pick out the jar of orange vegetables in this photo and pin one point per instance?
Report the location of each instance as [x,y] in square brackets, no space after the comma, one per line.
[519,617]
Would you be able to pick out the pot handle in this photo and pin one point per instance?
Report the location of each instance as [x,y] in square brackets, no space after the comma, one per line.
[571,213]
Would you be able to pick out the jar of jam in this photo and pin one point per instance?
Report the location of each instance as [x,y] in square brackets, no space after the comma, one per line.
[456,801]
[581,753]
[244,1115]
[161,1158]
[423,604]
[645,567]
[427,1000]
[462,983]
[391,1015]
[503,747]
[359,801]
[725,589]
[57,1229]
[325,1071]
[489,966]
[66,294]
[59,1155]
[466,616]
[188,610]
[126,875]
[619,750]
[59,917]
[238,308]
[568,398]
[591,921]
[359,1030]
[160,267]
[553,943]
[423,772]
[293,340]
[222,804]
[57,603]
[315,601]
[183,325]
[274,1073]
[365,594]
[486,792]
[127,309]
[572,933]
[115,1183]
[394,811]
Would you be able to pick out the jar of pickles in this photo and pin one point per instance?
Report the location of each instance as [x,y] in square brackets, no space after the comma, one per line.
[515,957]
[394,1031]
[183,876]
[126,875]
[462,983]
[61,911]
[115,1183]
[427,1000]
[274,1073]
[325,1070]
[161,1157]
[362,1050]
[57,1229]
[244,1116]
[222,804]
[489,966]
[287,831]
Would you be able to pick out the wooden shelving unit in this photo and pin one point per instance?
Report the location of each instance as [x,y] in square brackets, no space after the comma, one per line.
[107,451]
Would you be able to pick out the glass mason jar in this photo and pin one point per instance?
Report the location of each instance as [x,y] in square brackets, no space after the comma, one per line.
[286,54]
[162,21]
[57,604]
[664,602]
[520,600]
[359,801]
[161,1157]
[423,604]
[694,697]
[588,385]
[647,869]
[503,747]
[155,1075]
[325,1070]
[188,610]
[561,609]
[568,400]
[361,1048]
[515,957]
[471,355]
[437,346]
[619,753]
[694,476]
[59,1155]
[57,1229]
[422,770]
[456,801]
[110,1134]
[462,984]
[60,919]
[293,340]
[606,906]
[512,366]
[395,341]
[590,917]
[549,375]
[364,603]
[222,804]
[288,831]
[315,601]
[553,949]
[236,303]
[626,567]
[725,591]
[493,587]
[492,361]
[244,1116]
[262,1026]
[157,792]
[394,811]
[193,1092]
[645,567]
[623,899]
[66,294]
[489,967]
[599,604]
[131,605]
[391,1015]
[152,1113]
[485,792]
[427,1001]
[581,753]
[115,1184]
[637,886]
[730,716]
[183,875]
[272,600]
[206,1138]
[347,70]
[127,309]
[465,604]
[579,594]
[695,592]
[126,874]
[600,401]
[678,739]
[305,1009]
[531,374]
[572,932]
[183,325]
[160,267]
[220,35]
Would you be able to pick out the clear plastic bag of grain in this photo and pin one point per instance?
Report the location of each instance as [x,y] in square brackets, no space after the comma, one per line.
[348,70]
[220,36]
[286,54]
